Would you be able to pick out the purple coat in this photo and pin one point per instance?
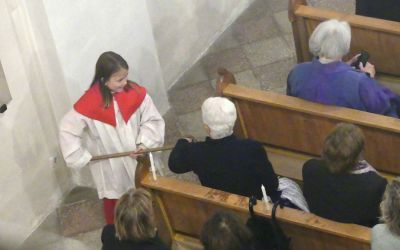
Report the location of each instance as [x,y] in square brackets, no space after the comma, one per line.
[339,84]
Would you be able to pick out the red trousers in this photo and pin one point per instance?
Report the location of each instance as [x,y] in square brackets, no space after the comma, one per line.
[109,207]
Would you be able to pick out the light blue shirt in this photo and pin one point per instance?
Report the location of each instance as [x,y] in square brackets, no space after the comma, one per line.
[383,239]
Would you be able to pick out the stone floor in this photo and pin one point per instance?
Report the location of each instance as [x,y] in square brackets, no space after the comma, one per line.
[258,48]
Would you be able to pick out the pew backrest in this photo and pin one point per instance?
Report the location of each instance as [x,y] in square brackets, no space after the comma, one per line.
[381,38]
[184,207]
[299,127]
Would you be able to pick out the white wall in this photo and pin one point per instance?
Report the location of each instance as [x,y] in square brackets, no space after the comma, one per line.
[82,30]
[48,53]
[32,186]
[184,29]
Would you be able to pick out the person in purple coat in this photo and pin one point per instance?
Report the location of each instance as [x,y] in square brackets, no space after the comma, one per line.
[329,80]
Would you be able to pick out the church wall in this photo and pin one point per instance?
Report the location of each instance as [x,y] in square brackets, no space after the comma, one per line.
[48,53]
[82,30]
[32,178]
[183,30]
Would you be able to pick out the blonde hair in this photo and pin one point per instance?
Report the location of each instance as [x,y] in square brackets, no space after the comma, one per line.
[390,206]
[343,147]
[134,216]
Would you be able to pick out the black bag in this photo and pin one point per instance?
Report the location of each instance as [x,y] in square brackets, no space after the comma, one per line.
[267,234]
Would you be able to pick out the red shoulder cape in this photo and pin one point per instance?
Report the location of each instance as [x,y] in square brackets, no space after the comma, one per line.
[91,103]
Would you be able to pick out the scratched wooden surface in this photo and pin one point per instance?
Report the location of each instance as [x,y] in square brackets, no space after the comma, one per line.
[187,206]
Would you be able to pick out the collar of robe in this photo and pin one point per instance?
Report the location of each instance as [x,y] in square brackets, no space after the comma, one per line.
[92,106]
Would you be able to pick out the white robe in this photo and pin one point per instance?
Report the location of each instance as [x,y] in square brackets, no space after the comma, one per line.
[82,137]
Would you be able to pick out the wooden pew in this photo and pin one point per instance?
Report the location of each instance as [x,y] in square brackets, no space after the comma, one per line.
[293,130]
[183,207]
[381,38]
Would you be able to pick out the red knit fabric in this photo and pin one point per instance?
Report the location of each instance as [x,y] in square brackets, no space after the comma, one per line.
[109,207]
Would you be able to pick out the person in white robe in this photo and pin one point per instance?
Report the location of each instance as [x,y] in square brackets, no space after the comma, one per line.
[127,121]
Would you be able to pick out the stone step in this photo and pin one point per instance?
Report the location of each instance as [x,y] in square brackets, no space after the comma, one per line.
[80,212]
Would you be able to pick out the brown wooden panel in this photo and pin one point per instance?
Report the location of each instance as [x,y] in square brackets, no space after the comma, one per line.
[190,215]
[284,128]
[189,205]
[287,164]
[298,125]
[306,239]
[379,37]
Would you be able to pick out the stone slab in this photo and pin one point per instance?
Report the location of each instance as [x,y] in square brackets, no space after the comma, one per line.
[80,217]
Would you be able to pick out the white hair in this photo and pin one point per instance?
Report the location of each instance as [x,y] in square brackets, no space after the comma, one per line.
[331,39]
[219,114]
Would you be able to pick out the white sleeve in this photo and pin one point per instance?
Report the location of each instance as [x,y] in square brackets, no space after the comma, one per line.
[71,129]
[152,126]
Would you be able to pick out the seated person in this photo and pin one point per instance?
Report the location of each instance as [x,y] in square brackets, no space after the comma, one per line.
[227,163]
[134,224]
[387,236]
[225,231]
[342,186]
[329,80]
[388,9]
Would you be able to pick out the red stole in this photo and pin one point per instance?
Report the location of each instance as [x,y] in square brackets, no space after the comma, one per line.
[91,103]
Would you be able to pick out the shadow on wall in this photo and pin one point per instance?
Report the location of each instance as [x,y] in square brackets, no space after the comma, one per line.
[152,79]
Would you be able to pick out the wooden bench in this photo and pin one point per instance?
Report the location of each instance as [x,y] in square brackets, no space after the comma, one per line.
[183,207]
[381,38]
[293,130]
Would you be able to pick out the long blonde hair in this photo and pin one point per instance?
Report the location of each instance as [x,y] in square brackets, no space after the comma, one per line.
[390,206]
[134,216]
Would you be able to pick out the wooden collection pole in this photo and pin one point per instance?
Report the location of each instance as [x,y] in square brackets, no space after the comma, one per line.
[144,151]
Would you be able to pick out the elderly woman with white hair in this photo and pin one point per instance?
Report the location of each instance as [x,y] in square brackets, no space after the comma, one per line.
[224,162]
[329,80]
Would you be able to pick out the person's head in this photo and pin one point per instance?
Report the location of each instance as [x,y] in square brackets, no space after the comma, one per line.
[331,39]
[225,231]
[219,116]
[390,206]
[134,216]
[112,75]
[343,147]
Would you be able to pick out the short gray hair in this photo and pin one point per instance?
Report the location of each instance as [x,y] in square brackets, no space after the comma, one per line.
[390,206]
[331,39]
[219,114]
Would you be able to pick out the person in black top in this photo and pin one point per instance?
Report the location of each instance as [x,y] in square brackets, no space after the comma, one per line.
[387,9]
[134,226]
[223,161]
[342,186]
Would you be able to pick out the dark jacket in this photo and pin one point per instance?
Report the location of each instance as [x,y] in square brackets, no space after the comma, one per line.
[388,9]
[110,242]
[228,164]
[348,198]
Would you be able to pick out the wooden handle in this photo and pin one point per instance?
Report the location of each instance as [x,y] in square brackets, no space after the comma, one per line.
[144,151]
